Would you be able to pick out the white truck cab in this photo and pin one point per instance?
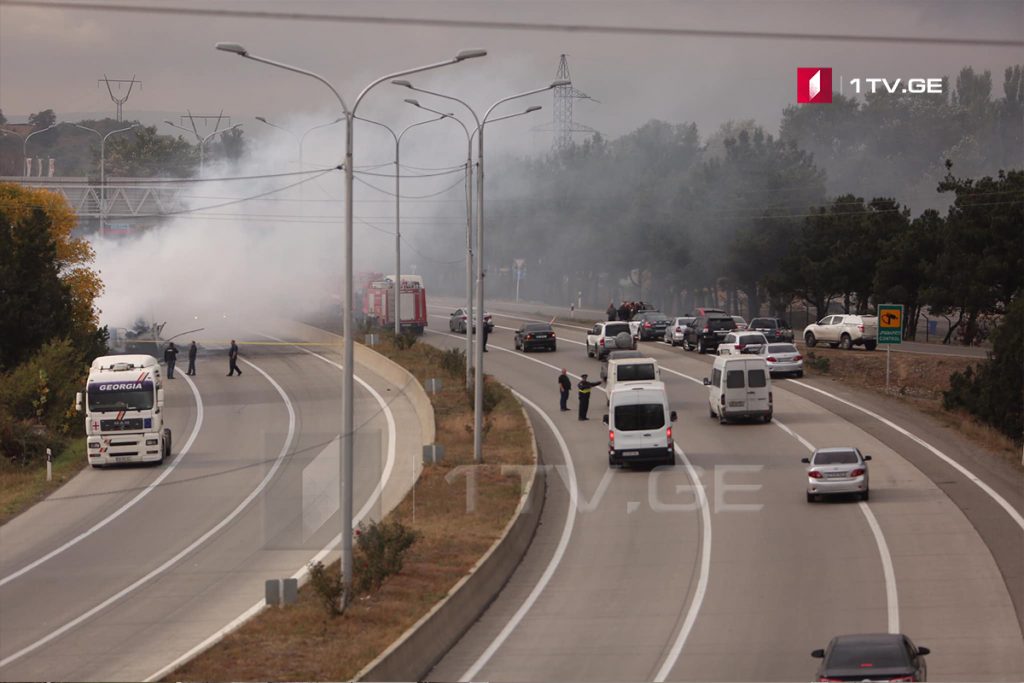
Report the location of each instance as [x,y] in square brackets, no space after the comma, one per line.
[123,405]
[740,387]
[640,425]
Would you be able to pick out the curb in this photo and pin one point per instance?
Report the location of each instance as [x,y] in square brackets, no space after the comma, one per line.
[421,647]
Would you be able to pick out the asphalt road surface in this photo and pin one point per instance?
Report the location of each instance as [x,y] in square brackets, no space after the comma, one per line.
[249,500]
[638,575]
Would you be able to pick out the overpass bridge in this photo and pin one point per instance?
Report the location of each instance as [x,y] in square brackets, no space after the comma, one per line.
[126,198]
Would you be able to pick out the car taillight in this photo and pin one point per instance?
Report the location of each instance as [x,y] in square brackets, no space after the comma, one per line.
[860,327]
[771,359]
[825,679]
[814,474]
[679,329]
[552,335]
[903,678]
[668,432]
[529,336]
[464,317]
[706,330]
[647,324]
[857,472]
[798,357]
[611,435]
[602,341]
[740,347]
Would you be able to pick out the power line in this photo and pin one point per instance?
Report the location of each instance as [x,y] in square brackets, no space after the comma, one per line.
[458,182]
[515,25]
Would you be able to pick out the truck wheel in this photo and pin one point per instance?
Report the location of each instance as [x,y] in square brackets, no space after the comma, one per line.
[870,345]
[845,342]
[810,340]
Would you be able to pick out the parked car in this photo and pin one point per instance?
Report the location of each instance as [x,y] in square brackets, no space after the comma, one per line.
[618,355]
[535,336]
[605,337]
[837,471]
[707,332]
[872,657]
[741,322]
[675,333]
[844,331]
[736,343]
[650,324]
[783,359]
[704,310]
[739,387]
[457,321]
[775,329]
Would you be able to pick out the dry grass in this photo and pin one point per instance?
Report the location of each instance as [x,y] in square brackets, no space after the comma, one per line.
[917,378]
[301,642]
[23,487]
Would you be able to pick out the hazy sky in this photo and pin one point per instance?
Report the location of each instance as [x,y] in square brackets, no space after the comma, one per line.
[52,58]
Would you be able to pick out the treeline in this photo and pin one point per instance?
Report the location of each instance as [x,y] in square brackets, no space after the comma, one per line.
[49,324]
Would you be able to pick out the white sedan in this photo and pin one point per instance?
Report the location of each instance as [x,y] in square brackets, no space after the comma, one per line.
[783,359]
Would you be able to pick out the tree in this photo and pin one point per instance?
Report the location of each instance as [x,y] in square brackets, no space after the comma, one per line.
[232,145]
[144,153]
[904,267]
[43,119]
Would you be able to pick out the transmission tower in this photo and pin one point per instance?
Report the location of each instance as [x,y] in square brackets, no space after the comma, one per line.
[206,118]
[563,125]
[119,101]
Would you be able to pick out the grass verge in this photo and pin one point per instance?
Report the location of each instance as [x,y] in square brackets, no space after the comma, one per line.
[301,642]
[918,379]
[22,487]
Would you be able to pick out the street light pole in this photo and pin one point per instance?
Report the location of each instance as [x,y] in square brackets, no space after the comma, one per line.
[103,168]
[349,349]
[202,141]
[24,145]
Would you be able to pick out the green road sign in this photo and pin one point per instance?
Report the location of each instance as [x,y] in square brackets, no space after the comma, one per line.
[890,324]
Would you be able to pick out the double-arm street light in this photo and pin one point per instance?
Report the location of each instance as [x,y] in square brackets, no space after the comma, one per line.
[24,144]
[349,349]
[103,168]
[202,140]
[398,204]
[478,376]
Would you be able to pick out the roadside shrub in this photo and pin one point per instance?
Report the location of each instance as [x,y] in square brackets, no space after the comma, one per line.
[43,388]
[993,391]
[328,586]
[492,396]
[817,363]
[453,362]
[380,553]
[24,442]
[403,341]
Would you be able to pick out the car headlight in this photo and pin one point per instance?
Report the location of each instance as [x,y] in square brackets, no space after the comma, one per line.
[152,442]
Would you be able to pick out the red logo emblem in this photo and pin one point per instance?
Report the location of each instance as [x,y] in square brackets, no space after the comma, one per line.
[813,85]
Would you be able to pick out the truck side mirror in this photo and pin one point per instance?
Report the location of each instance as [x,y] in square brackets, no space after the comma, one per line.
[159,397]
[78,402]
[605,419]
[707,382]
[673,416]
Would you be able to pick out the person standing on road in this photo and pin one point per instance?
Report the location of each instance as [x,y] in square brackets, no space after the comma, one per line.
[192,351]
[487,333]
[584,386]
[564,387]
[612,313]
[233,360]
[624,312]
[170,357]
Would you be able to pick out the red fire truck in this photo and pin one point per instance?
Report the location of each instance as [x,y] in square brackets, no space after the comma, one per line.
[379,301]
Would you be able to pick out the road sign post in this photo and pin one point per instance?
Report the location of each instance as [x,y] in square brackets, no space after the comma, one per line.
[890,331]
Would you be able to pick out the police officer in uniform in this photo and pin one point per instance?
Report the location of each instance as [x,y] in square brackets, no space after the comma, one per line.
[584,387]
[171,358]
[192,351]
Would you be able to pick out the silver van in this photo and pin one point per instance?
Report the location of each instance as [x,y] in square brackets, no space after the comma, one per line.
[739,387]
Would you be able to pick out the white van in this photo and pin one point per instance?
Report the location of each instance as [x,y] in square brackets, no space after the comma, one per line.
[741,387]
[630,370]
[640,425]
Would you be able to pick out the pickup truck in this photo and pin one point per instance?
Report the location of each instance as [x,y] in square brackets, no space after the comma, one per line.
[606,337]
[844,331]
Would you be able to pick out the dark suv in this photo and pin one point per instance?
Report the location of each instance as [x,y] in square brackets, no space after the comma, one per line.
[707,332]
[652,324]
[775,329]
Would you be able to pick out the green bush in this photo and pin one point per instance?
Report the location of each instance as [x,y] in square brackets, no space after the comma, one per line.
[815,362]
[380,553]
[328,586]
[43,388]
[492,396]
[24,442]
[993,391]
[453,362]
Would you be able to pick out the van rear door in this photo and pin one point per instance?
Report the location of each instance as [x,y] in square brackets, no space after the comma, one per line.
[735,387]
[639,421]
[757,386]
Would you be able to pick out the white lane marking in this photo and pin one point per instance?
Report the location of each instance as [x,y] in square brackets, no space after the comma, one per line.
[705,560]
[121,510]
[1002,502]
[563,543]
[185,551]
[214,638]
[887,568]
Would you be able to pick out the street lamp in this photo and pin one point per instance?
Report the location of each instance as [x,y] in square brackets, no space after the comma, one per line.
[478,377]
[398,204]
[103,170]
[286,130]
[24,145]
[202,140]
[349,349]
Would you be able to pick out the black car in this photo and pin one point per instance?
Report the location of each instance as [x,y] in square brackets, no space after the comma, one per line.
[707,332]
[775,329]
[872,657]
[535,336]
[617,355]
[652,324]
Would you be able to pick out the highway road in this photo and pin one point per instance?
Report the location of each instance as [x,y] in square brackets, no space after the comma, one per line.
[717,568]
[123,571]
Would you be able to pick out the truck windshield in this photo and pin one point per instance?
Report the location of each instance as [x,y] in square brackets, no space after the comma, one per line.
[633,418]
[111,396]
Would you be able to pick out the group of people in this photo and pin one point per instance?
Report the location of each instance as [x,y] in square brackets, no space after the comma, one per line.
[171,359]
[627,310]
[584,386]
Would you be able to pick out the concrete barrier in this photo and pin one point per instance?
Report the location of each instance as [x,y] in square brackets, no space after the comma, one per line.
[421,647]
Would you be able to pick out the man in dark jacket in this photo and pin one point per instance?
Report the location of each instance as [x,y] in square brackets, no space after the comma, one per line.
[584,386]
[612,313]
[192,351]
[233,360]
[170,357]
[624,312]
[564,387]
